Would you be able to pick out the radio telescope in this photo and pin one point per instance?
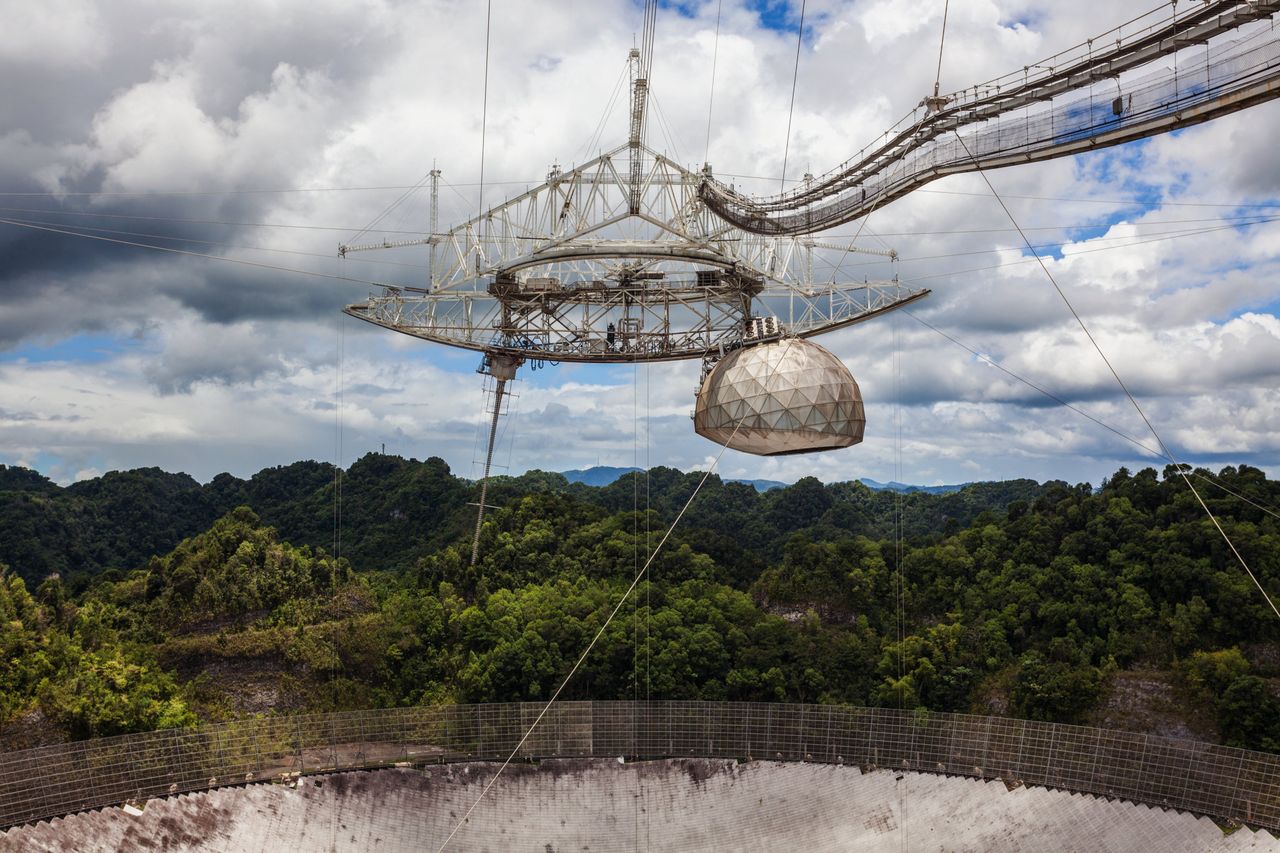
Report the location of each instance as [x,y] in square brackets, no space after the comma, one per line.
[631,257]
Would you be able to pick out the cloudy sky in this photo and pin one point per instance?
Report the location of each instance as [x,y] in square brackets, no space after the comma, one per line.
[271,132]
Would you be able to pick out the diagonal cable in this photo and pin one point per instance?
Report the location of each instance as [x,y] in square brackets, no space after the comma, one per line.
[1163,447]
[1079,411]
[711,98]
[600,632]
[484,127]
[795,75]
[21,224]
[937,78]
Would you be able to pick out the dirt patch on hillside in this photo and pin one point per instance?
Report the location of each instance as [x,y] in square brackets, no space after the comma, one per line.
[1148,701]
[250,686]
[28,730]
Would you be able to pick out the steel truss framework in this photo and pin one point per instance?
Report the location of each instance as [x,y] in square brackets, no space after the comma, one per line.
[576,270]
[1168,69]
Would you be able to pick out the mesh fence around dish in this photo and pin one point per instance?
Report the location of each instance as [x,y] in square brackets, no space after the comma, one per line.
[1198,777]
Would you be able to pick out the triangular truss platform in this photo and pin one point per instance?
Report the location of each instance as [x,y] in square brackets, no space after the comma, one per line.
[620,260]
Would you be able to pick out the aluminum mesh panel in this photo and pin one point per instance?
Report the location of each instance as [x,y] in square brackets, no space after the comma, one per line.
[1198,777]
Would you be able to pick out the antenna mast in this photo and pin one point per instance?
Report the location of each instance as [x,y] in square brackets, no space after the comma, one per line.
[641,64]
[639,91]
[503,369]
[435,225]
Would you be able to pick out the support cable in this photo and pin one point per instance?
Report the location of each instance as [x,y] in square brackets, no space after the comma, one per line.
[179,239]
[499,387]
[277,191]
[641,795]
[389,209]
[1242,219]
[1079,411]
[900,608]
[635,601]
[648,523]
[593,140]
[648,31]
[1253,81]
[484,127]
[1231,222]
[523,181]
[635,523]
[711,97]
[1160,441]
[337,532]
[600,632]
[1237,495]
[648,586]
[1137,241]
[1023,261]
[457,187]
[998,366]
[337,448]
[49,211]
[862,226]
[937,78]
[795,74]
[20,224]
[667,127]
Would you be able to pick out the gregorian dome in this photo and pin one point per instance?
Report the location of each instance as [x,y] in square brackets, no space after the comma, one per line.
[786,396]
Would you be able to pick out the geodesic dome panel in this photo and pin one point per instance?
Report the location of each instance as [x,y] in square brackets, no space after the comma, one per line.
[788,396]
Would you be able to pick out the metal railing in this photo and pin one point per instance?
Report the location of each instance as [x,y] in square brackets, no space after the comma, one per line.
[1105,106]
[1202,778]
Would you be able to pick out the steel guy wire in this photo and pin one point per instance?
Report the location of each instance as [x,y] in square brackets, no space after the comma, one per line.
[457,191]
[600,632]
[1166,452]
[1079,411]
[711,94]
[173,251]
[795,74]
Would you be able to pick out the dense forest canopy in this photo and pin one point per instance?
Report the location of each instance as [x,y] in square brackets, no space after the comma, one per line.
[144,599]
[396,511]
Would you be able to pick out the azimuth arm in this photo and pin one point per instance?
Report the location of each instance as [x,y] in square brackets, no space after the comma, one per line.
[1232,76]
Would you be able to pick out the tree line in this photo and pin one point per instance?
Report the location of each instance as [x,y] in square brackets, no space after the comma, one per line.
[1011,598]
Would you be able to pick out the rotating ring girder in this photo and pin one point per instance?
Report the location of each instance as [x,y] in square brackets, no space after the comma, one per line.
[605,250]
[626,324]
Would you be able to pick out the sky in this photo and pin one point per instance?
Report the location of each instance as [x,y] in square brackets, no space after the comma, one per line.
[269,133]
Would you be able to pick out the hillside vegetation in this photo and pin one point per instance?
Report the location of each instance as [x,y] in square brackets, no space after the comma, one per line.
[144,599]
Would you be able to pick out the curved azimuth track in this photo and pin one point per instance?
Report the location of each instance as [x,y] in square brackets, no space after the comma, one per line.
[1114,88]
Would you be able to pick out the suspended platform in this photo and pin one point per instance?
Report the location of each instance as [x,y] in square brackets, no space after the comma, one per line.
[568,272]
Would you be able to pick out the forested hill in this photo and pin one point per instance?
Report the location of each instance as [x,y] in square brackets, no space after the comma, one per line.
[1119,606]
[395,511]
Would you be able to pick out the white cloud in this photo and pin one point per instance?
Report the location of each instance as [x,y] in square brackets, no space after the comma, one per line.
[53,33]
[233,369]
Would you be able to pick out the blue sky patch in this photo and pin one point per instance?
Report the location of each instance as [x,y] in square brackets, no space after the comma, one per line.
[778,15]
[81,349]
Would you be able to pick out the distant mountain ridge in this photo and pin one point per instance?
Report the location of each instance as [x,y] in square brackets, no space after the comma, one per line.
[597,475]
[393,511]
[762,485]
[604,475]
[907,489]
